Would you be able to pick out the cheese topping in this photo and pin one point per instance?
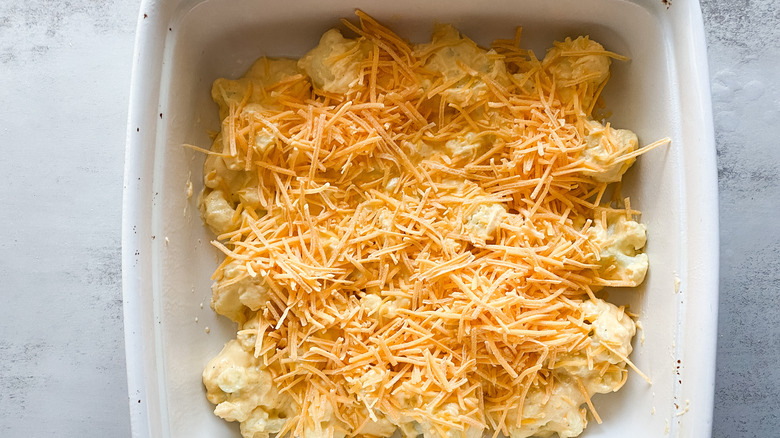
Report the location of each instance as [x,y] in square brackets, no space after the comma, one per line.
[414,236]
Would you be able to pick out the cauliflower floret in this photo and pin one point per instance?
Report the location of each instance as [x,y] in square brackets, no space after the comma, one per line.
[604,146]
[568,70]
[215,169]
[410,401]
[382,427]
[236,291]
[465,145]
[377,307]
[562,413]
[611,327]
[620,243]
[367,388]
[335,63]
[367,385]
[225,184]
[451,51]
[484,221]
[269,71]
[450,413]
[261,424]
[598,369]
[610,342]
[384,218]
[263,141]
[420,150]
[244,392]
[391,307]
[371,303]
[250,196]
[219,169]
[320,420]
[264,72]
[217,212]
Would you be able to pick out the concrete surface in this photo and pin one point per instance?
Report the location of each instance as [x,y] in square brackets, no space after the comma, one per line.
[64,86]
[744,54]
[66,69]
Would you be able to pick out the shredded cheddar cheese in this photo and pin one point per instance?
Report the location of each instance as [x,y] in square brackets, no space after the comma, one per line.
[414,237]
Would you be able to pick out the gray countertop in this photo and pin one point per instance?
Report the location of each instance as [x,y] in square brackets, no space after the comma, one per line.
[744,55]
[64,87]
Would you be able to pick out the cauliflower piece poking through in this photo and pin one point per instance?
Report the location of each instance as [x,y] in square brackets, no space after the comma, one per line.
[449,413]
[561,413]
[451,52]
[597,369]
[245,392]
[611,327]
[604,149]
[621,242]
[217,212]
[236,291]
[580,67]
[264,72]
[484,221]
[335,63]
[377,308]
[466,146]
[225,187]
[367,387]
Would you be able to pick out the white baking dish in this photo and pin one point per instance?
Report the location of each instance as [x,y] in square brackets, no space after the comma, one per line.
[183,45]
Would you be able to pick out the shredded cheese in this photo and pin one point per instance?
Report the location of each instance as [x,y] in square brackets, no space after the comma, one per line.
[426,228]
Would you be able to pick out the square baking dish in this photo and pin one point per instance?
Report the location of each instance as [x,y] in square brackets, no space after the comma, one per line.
[182,46]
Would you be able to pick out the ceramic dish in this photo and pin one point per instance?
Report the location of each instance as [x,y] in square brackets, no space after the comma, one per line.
[183,45]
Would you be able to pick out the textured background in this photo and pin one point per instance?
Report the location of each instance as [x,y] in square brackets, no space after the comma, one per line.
[64,86]
[743,39]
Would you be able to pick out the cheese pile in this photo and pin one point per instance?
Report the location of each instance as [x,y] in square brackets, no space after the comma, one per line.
[414,236]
